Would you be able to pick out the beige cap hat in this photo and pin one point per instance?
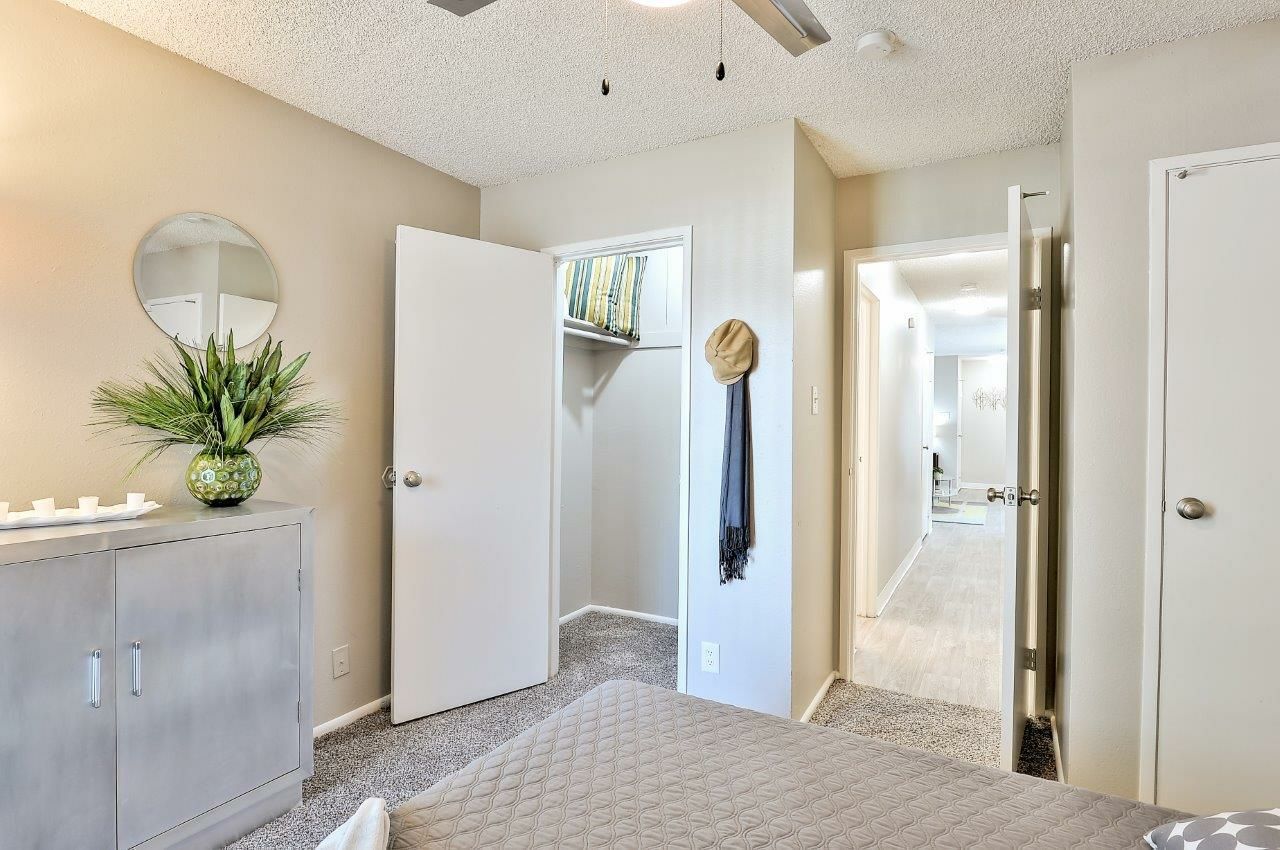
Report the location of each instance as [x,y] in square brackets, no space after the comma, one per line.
[731,350]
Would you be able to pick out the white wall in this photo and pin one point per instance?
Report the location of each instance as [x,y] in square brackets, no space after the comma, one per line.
[577,428]
[1217,91]
[945,376]
[736,191]
[899,450]
[982,437]
[635,530]
[816,475]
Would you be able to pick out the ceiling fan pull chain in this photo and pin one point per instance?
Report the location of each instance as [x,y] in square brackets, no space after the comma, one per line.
[720,67]
[604,82]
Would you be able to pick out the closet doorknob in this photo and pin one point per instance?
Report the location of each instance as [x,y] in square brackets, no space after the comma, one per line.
[1191,508]
[412,479]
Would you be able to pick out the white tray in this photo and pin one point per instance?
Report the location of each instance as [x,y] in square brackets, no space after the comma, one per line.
[72,516]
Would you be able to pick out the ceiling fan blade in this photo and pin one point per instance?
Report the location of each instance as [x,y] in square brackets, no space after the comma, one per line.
[790,22]
[461,7]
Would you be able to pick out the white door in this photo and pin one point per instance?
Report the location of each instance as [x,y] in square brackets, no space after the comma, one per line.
[474,415]
[180,316]
[1026,467]
[1217,744]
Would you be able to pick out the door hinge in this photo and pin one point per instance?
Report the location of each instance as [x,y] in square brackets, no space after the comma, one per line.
[299,711]
[299,578]
[1028,658]
[1036,301]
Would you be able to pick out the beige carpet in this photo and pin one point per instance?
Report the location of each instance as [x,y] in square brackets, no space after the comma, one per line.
[960,731]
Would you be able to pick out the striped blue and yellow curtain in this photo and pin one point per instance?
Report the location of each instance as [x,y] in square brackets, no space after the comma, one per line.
[605,291]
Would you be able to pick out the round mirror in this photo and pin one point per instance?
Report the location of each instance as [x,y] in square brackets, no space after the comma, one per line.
[199,275]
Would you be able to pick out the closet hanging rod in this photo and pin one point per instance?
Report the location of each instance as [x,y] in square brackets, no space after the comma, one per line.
[586,330]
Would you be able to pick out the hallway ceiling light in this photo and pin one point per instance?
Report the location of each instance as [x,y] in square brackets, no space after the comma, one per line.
[969,304]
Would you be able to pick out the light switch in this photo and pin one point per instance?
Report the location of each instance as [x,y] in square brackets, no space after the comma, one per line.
[342,661]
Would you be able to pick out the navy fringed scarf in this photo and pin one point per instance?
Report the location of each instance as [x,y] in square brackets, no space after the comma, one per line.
[735,485]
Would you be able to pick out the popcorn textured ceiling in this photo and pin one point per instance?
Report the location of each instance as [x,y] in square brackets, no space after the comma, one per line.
[512,90]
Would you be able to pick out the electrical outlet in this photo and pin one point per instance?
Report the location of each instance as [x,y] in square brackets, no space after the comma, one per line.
[813,400]
[710,657]
[342,661]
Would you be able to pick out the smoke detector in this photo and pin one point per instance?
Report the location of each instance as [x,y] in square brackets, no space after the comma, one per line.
[875,45]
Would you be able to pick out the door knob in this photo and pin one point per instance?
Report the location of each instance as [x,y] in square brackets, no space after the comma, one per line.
[1013,496]
[412,479]
[1191,508]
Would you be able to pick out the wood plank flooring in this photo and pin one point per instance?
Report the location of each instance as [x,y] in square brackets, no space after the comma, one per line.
[939,636]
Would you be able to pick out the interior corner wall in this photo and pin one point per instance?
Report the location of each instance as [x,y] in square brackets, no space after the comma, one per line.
[736,191]
[577,430]
[95,152]
[900,494]
[1209,93]
[1061,502]
[816,437]
[635,481]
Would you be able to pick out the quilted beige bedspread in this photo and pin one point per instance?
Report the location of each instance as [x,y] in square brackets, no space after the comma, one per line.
[632,765]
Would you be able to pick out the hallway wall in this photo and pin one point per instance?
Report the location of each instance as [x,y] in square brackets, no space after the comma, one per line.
[982,430]
[946,374]
[899,481]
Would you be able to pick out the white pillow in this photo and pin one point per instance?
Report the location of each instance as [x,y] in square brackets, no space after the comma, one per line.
[368,829]
[1255,830]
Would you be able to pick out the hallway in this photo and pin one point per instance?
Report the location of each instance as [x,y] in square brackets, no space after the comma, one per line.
[939,636]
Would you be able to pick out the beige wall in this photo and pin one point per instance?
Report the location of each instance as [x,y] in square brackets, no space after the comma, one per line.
[960,197]
[815,439]
[103,136]
[1214,92]
[736,191]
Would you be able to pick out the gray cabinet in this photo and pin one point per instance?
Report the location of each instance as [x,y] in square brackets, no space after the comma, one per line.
[57,712]
[195,636]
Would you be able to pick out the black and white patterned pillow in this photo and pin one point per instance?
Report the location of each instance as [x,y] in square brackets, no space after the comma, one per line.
[1256,830]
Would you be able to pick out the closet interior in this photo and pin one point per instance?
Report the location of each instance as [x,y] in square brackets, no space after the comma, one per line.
[620,435]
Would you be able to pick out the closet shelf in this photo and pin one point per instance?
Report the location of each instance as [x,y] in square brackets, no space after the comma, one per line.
[586,330]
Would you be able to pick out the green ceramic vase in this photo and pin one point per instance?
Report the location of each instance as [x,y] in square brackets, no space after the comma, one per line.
[221,481]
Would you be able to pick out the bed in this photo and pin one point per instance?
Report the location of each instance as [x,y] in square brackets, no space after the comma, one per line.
[634,765]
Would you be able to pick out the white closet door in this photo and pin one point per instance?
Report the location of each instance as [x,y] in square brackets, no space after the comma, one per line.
[1219,696]
[475,401]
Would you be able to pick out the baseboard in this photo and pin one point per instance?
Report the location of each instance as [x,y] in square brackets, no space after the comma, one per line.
[352,716]
[620,612]
[573,615]
[817,698]
[883,597]
[1057,747]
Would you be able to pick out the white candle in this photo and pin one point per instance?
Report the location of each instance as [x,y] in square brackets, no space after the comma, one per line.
[44,507]
[133,501]
[89,505]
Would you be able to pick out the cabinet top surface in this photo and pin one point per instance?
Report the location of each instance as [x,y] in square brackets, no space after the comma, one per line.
[170,523]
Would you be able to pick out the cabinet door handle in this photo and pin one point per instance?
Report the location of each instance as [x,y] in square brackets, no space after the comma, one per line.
[136,690]
[95,679]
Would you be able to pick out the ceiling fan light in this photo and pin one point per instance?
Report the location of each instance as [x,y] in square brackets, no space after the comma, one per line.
[660,4]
